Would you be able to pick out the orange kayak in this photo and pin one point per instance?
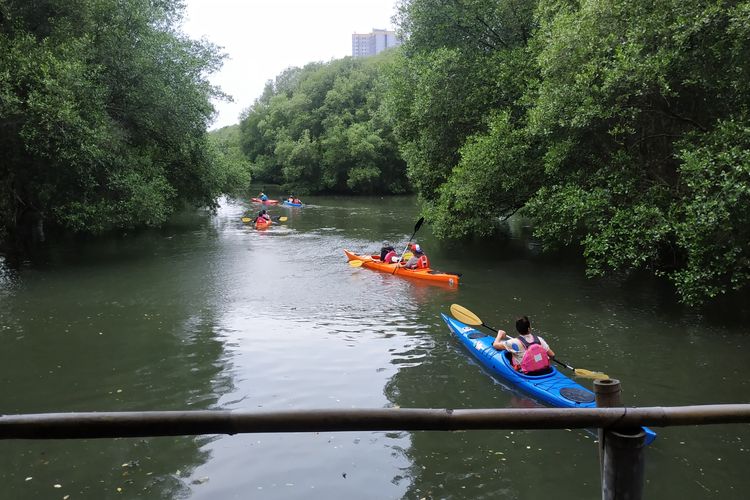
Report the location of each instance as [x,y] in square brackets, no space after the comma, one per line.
[374,262]
[263,224]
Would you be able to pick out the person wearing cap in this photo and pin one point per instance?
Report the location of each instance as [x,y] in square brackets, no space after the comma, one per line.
[387,252]
[419,260]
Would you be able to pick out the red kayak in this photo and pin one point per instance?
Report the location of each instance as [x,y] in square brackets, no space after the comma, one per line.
[266,202]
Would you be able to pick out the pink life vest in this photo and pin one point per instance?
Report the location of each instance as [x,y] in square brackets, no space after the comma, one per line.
[389,257]
[535,357]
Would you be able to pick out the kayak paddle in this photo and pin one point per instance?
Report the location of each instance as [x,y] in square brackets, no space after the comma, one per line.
[466,316]
[250,219]
[416,228]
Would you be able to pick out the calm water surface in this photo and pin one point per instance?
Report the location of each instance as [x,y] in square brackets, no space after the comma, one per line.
[210,314]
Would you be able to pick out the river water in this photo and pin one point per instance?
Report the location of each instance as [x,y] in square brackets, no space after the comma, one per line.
[208,313]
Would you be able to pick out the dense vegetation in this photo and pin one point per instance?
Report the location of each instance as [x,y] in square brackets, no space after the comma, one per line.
[622,126]
[322,129]
[104,106]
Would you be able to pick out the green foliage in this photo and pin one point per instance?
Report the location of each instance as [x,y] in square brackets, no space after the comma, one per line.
[454,96]
[617,125]
[103,118]
[713,227]
[321,129]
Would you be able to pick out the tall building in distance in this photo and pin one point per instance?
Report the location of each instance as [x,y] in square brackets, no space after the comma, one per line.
[369,44]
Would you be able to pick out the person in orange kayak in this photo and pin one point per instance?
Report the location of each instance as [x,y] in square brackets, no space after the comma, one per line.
[262,216]
[418,260]
[388,253]
[530,353]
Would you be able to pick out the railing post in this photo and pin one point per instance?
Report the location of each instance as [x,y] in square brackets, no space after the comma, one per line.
[621,456]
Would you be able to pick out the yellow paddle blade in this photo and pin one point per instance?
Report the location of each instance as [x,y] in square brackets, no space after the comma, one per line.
[283,219]
[246,219]
[464,315]
[408,255]
[589,374]
[356,263]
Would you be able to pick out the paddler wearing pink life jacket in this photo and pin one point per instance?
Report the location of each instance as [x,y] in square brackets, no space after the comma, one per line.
[388,253]
[530,353]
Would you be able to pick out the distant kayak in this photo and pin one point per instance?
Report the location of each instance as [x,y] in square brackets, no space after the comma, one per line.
[552,387]
[290,204]
[263,224]
[422,274]
[266,202]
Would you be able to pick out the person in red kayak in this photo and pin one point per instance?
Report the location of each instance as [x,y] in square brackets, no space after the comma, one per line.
[262,196]
[530,353]
[418,260]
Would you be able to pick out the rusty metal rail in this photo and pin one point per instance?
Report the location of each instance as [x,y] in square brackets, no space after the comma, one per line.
[174,423]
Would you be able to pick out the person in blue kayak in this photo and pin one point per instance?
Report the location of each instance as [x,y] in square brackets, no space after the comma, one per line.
[418,260]
[262,196]
[531,354]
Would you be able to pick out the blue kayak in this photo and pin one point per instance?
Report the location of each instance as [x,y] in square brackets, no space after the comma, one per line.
[290,204]
[552,388]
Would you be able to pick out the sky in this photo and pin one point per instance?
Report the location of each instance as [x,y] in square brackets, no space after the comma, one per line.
[262,38]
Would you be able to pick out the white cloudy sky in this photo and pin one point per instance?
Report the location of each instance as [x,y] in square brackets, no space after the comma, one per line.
[264,37]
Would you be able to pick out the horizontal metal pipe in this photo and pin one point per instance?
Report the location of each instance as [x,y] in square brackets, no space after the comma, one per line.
[176,423]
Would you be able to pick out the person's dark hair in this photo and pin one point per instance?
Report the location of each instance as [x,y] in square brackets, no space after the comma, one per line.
[523,325]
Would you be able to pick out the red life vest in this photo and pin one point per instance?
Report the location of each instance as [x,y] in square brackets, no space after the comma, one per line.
[535,357]
[389,257]
[423,262]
